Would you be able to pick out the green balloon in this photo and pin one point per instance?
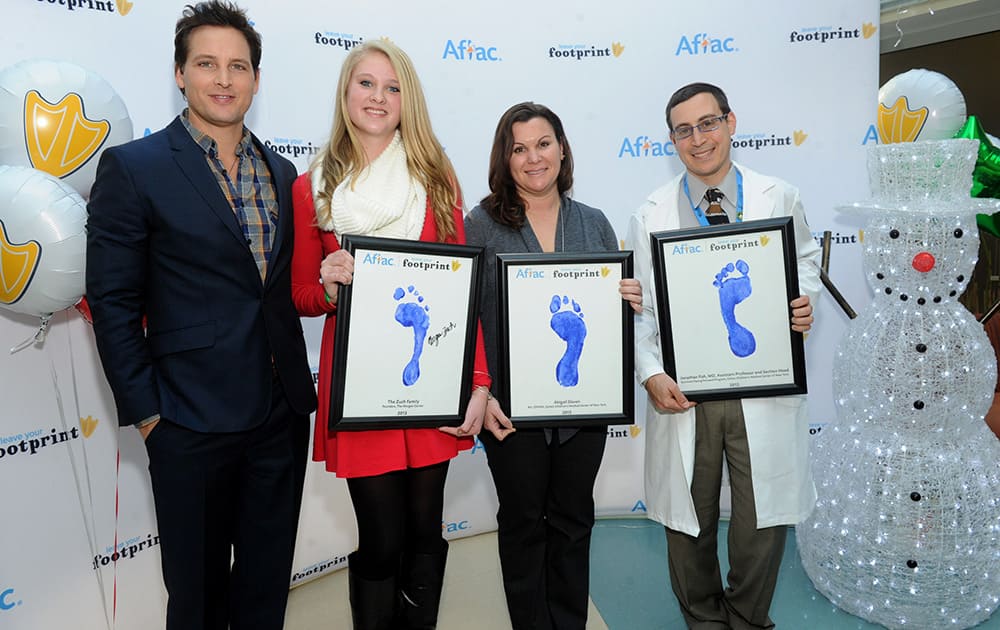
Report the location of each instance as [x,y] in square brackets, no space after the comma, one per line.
[989,223]
[986,174]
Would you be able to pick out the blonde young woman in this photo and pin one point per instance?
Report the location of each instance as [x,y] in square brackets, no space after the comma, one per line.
[383,173]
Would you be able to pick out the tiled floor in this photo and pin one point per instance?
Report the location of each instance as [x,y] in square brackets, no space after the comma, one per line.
[629,588]
[472,598]
[630,584]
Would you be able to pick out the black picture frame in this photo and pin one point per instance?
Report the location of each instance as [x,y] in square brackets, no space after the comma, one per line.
[412,298]
[746,274]
[545,303]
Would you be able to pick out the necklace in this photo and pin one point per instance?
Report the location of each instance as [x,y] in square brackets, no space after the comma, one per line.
[231,169]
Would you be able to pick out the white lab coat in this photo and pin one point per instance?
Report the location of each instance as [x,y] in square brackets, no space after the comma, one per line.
[777,428]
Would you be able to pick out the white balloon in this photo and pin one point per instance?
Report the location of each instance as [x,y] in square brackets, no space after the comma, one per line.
[58,117]
[932,107]
[43,242]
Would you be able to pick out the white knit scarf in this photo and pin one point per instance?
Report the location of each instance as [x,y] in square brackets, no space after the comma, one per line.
[385,200]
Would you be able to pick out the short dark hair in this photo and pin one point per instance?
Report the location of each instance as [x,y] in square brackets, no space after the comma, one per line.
[694,89]
[214,13]
[503,203]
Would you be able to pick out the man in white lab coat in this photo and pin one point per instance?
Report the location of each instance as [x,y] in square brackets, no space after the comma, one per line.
[764,441]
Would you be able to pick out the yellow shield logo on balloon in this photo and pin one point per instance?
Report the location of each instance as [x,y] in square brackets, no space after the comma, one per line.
[60,138]
[899,123]
[17,266]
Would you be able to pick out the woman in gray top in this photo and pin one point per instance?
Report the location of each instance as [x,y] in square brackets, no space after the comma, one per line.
[544,477]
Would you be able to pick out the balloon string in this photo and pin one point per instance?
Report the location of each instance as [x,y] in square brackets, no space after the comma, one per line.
[899,14]
[38,337]
[114,596]
[88,524]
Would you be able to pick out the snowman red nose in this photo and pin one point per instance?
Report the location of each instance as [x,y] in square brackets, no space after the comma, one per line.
[923,262]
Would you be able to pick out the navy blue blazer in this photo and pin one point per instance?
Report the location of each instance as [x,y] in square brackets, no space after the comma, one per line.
[163,243]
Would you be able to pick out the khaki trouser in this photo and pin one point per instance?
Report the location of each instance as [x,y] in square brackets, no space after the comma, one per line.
[754,554]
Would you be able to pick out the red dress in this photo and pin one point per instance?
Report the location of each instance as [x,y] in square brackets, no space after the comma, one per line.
[361,453]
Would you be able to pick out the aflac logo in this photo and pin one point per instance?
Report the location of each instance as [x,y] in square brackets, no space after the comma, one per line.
[529,273]
[377,258]
[8,600]
[681,249]
[703,44]
[455,526]
[466,50]
[871,135]
[642,146]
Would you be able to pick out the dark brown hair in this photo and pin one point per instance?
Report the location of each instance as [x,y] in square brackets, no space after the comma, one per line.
[503,203]
[214,13]
[694,89]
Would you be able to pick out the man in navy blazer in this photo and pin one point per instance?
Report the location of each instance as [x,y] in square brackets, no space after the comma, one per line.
[188,279]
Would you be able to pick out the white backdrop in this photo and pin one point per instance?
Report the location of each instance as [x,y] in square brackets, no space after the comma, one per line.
[804,107]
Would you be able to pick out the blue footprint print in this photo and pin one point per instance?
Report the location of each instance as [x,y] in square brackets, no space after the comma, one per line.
[568,323]
[413,314]
[732,291]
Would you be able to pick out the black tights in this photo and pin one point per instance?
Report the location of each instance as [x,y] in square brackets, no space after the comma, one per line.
[397,512]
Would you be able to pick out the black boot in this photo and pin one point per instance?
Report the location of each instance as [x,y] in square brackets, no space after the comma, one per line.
[420,588]
[373,602]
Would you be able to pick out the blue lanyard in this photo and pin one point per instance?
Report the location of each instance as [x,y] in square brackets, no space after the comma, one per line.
[739,199]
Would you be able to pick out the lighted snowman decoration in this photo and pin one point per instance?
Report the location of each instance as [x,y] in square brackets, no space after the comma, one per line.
[906,531]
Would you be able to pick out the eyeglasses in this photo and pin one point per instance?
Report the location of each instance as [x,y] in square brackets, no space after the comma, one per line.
[709,124]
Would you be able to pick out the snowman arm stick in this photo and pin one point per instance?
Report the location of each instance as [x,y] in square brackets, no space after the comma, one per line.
[824,260]
[836,295]
[828,283]
[990,313]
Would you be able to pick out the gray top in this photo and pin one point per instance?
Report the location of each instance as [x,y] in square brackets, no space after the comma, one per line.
[580,229]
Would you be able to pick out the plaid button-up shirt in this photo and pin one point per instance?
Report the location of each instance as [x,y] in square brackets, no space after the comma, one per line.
[252,196]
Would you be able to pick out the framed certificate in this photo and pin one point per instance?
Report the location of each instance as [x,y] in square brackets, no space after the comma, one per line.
[405,336]
[722,295]
[565,339]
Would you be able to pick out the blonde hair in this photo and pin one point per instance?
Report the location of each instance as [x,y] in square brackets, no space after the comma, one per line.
[344,157]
